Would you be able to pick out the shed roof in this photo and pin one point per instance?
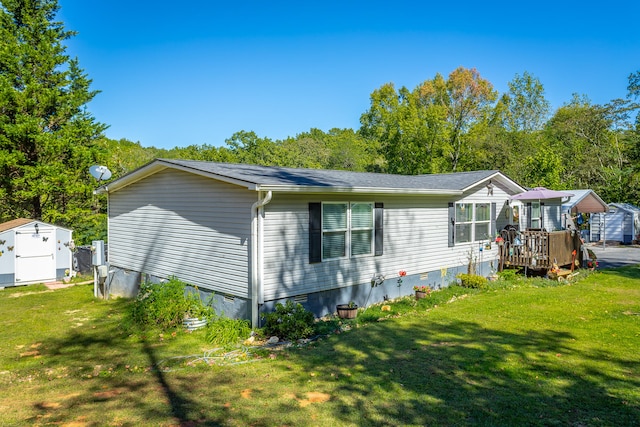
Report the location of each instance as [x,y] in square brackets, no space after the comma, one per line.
[266,178]
[14,223]
[585,201]
[626,207]
[19,222]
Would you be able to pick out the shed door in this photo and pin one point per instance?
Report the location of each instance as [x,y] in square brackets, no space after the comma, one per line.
[35,257]
[627,229]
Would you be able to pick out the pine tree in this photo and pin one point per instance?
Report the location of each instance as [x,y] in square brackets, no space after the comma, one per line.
[47,136]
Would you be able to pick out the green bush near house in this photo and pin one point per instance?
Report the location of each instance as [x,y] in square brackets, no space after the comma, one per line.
[164,305]
[472,281]
[508,275]
[289,321]
[226,332]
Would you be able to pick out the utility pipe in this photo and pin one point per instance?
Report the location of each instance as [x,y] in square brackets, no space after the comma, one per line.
[257,261]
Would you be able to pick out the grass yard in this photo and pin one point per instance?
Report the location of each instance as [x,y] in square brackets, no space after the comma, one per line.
[519,355]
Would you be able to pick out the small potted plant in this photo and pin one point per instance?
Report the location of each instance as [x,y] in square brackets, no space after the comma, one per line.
[422,291]
[347,311]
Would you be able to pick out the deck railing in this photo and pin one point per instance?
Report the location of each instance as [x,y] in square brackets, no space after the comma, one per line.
[539,249]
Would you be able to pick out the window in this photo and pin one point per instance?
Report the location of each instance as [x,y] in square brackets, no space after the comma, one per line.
[334,230]
[464,222]
[361,229]
[347,229]
[536,215]
[473,222]
[483,221]
[341,229]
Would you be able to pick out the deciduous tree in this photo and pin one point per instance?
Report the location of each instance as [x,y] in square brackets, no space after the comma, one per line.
[465,96]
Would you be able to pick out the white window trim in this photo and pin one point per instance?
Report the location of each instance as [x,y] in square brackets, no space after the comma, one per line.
[476,222]
[536,218]
[349,230]
[473,222]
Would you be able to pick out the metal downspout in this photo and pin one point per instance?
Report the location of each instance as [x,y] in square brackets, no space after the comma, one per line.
[257,249]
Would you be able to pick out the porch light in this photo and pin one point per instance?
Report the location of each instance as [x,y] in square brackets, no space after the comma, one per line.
[36,227]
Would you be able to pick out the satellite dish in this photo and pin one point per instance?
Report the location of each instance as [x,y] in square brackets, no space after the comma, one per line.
[100,172]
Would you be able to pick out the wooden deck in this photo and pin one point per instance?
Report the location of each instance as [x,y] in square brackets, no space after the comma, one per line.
[538,249]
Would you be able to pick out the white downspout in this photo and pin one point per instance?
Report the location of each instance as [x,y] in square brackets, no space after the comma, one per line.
[257,259]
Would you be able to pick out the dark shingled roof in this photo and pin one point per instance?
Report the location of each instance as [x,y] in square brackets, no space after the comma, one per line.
[279,176]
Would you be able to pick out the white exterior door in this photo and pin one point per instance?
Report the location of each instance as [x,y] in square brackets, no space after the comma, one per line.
[35,256]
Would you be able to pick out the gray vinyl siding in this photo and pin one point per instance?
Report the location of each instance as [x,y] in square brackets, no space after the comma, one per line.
[415,240]
[179,224]
[552,212]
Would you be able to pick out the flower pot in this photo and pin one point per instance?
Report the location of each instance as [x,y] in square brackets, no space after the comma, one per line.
[420,294]
[193,323]
[346,311]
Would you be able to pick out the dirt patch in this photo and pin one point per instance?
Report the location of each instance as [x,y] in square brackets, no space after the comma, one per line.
[108,394]
[312,397]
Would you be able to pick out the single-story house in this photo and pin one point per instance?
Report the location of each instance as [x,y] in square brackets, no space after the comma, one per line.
[620,224]
[253,236]
[33,251]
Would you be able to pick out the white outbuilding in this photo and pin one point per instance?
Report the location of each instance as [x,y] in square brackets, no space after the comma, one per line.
[620,224]
[33,251]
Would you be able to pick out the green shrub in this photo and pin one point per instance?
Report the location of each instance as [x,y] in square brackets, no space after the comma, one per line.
[161,304]
[472,281]
[196,307]
[226,332]
[290,322]
[508,275]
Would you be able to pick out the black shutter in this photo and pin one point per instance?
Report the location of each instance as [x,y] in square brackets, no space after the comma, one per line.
[452,224]
[315,232]
[492,227]
[379,232]
[528,214]
[541,215]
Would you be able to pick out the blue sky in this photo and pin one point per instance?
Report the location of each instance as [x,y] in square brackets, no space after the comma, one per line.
[195,72]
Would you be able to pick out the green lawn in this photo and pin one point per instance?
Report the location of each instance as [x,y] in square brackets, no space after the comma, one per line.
[518,355]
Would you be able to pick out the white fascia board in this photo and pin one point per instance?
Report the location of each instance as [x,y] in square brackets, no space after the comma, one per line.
[358,190]
[131,177]
[512,185]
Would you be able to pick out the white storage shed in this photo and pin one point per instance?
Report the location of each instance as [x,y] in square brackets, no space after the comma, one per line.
[33,251]
[620,224]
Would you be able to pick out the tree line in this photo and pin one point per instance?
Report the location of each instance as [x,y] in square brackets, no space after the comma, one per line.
[458,122]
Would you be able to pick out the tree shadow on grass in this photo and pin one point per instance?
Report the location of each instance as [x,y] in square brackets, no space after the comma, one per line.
[111,371]
[412,371]
[475,376]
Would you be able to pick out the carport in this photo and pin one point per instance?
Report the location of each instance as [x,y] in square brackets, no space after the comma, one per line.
[582,201]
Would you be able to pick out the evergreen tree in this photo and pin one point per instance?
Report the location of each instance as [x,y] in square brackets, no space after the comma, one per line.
[47,136]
